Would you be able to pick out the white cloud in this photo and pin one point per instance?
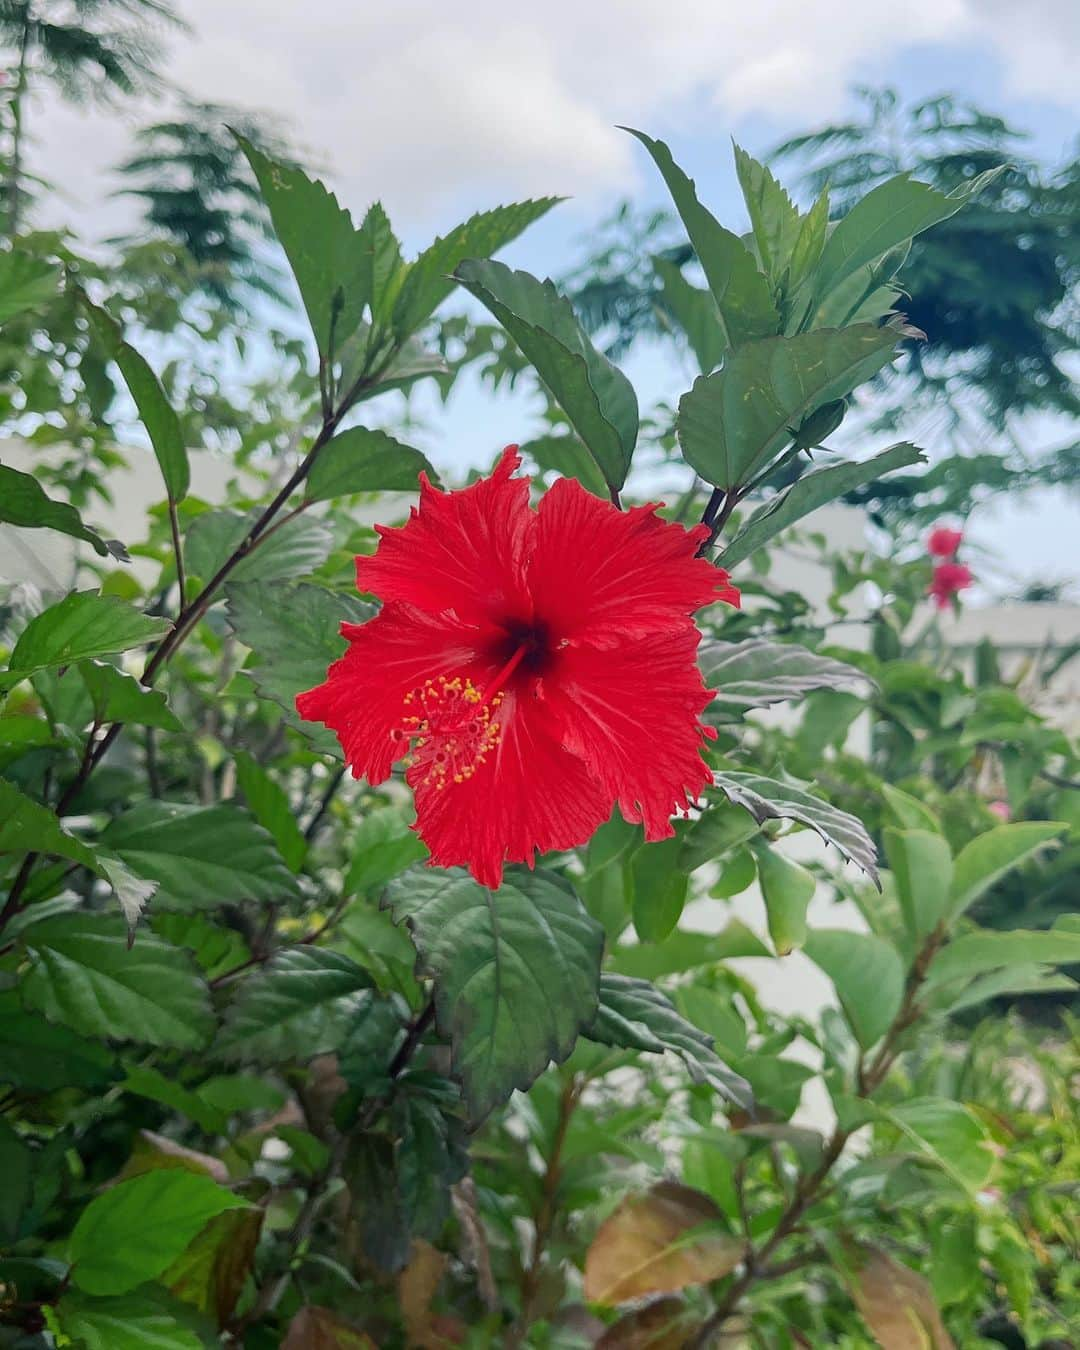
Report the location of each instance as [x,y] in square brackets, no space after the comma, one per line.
[438,108]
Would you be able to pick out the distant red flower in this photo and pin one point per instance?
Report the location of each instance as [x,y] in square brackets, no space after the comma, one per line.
[532,668]
[943,543]
[949,579]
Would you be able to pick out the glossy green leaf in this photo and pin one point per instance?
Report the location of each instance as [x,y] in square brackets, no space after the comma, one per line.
[659,889]
[269,804]
[39,1057]
[131,1232]
[143,1080]
[118,697]
[982,863]
[27,826]
[300,1004]
[363,460]
[741,292]
[84,624]
[949,1134]
[757,673]
[811,491]
[922,869]
[383,846]
[295,550]
[25,503]
[696,313]
[84,974]
[735,422]
[595,395]
[25,283]
[868,977]
[201,855]
[217,949]
[567,456]
[515,970]
[684,951]
[787,888]
[143,1320]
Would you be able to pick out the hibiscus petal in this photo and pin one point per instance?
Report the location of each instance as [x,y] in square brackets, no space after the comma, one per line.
[606,575]
[531,795]
[363,699]
[632,715]
[459,552]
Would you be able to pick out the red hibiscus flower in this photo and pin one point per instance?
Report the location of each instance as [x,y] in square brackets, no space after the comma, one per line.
[949,579]
[943,542]
[532,668]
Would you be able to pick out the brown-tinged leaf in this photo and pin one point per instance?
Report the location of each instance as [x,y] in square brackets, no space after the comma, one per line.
[649,1246]
[153,1151]
[210,1275]
[315,1328]
[897,1305]
[666,1324]
[416,1287]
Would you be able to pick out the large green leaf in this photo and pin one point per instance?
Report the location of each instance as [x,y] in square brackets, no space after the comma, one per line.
[82,625]
[567,456]
[144,1320]
[201,856]
[135,1229]
[117,697]
[982,863]
[811,491]
[295,550]
[695,312]
[787,888]
[976,953]
[300,1004]
[684,951]
[40,1057]
[24,502]
[362,460]
[515,971]
[294,631]
[332,268]
[736,421]
[757,673]
[270,805]
[770,799]
[383,846]
[634,1015]
[27,826]
[25,283]
[741,292]
[867,974]
[949,1134]
[595,395]
[659,889]
[155,411]
[16,1167]
[84,974]
[775,221]
[429,280]
[922,867]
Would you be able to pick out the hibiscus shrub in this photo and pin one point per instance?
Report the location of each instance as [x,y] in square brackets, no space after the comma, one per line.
[347,994]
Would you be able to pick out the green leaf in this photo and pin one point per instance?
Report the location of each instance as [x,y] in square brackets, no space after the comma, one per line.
[685,951]
[145,1081]
[954,1258]
[738,420]
[215,948]
[635,1015]
[908,812]
[27,826]
[155,411]
[429,280]
[82,625]
[362,460]
[271,807]
[25,283]
[383,846]
[741,292]
[787,889]
[976,953]
[201,856]
[659,889]
[949,1134]
[211,1273]
[595,395]
[294,632]
[757,673]
[432,1157]
[773,217]
[811,491]
[922,867]
[770,799]
[383,265]
[567,456]
[296,549]
[83,974]
[143,1320]
[117,697]
[695,311]
[867,974]
[39,1057]
[1009,982]
[982,863]
[133,1231]
[302,1003]
[16,1194]
[515,971]
[325,251]
[806,252]
[24,502]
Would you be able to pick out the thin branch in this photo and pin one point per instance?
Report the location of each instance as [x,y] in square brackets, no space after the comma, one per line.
[316,820]
[178,553]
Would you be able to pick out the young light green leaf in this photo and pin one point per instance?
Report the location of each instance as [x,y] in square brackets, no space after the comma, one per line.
[271,807]
[302,1003]
[775,221]
[144,1320]
[131,1232]
[82,625]
[867,974]
[25,503]
[741,292]
[383,266]
[25,283]
[908,812]
[595,395]
[922,868]
[84,974]
[976,953]
[787,888]
[515,970]
[735,422]
[813,490]
[950,1134]
[201,855]
[118,697]
[363,460]
[155,411]
[982,863]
